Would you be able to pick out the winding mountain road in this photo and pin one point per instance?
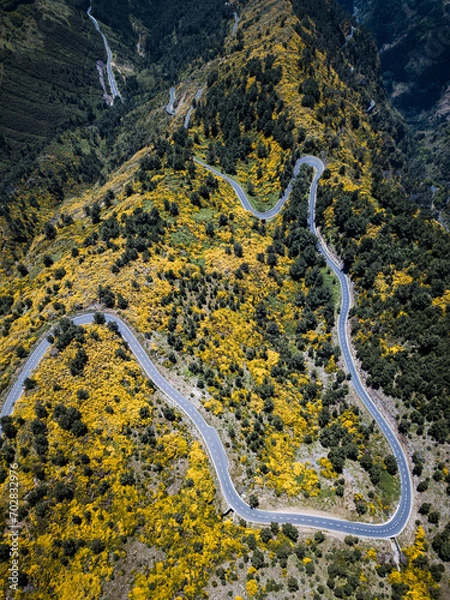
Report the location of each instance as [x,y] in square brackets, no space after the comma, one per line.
[112,81]
[187,119]
[210,437]
[170,108]
[236,23]
[350,36]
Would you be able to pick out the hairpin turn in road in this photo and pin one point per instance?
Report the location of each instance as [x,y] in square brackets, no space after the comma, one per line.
[210,437]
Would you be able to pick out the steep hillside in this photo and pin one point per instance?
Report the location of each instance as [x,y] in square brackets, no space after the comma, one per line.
[168,35]
[414,41]
[49,50]
[116,494]
[48,75]
[56,132]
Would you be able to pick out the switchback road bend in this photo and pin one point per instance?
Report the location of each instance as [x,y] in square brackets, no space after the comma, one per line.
[210,437]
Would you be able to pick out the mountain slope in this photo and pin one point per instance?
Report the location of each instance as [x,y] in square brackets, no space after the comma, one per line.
[240,316]
[414,41]
[52,86]
[48,73]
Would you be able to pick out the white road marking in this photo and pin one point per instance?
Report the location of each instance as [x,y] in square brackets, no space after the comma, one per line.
[384,530]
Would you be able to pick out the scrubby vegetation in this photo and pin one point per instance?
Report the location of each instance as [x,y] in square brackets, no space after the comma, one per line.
[240,315]
[55,128]
[398,258]
[416,50]
[48,73]
[98,462]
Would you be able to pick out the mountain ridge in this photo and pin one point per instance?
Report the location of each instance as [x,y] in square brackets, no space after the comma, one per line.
[240,315]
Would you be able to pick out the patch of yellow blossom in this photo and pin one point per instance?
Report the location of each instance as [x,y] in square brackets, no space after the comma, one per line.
[350,421]
[326,468]
[386,349]
[331,366]
[286,475]
[419,581]
[372,231]
[200,522]
[371,554]
[259,368]
[329,216]
[251,587]
[381,285]
[442,301]
[214,406]
[400,278]
[372,508]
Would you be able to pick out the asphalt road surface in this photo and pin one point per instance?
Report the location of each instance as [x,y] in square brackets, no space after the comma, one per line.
[112,81]
[350,36]
[187,120]
[210,437]
[236,22]
[169,108]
